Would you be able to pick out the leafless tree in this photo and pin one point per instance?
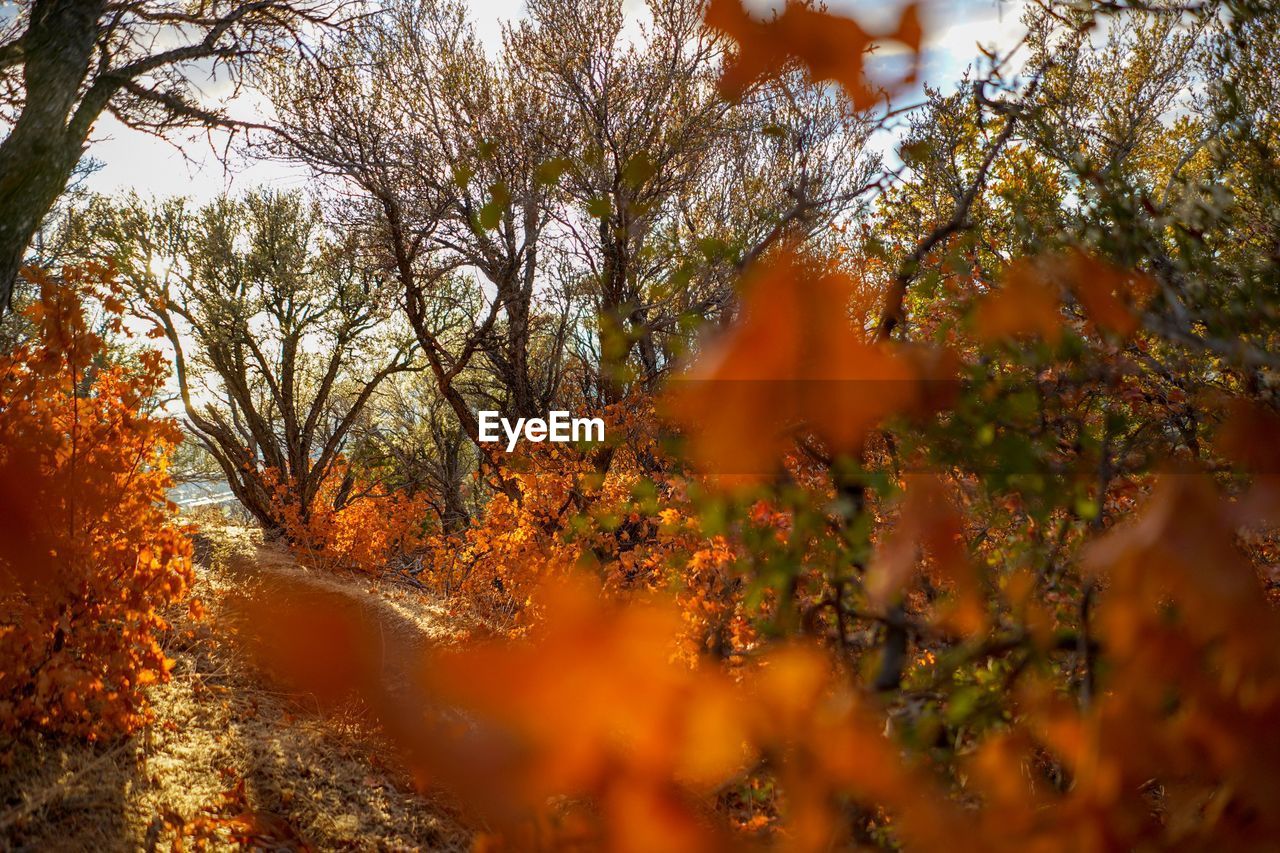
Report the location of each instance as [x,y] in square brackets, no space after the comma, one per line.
[563,197]
[280,337]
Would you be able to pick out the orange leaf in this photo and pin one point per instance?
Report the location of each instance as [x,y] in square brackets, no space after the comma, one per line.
[930,522]
[1029,300]
[832,47]
[794,359]
[1024,306]
[1109,295]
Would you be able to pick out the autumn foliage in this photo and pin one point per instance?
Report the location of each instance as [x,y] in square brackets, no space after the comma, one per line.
[90,554]
[863,641]
[947,551]
[792,363]
[350,525]
[666,712]
[594,704]
[830,47]
[635,528]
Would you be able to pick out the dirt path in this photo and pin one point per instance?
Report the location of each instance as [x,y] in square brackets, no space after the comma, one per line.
[412,615]
[228,751]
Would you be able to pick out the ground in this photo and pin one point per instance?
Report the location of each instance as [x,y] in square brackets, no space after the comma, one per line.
[230,756]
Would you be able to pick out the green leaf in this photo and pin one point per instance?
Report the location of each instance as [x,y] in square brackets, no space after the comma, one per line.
[638,169]
[712,248]
[600,207]
[550,171]
[462,176]
[491,213]
[914,152]
[1086,508]
[963,703]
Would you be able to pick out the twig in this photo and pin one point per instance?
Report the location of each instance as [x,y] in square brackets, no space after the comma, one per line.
[892,314]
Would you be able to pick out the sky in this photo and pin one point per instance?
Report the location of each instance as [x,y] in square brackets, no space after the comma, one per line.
[153,167]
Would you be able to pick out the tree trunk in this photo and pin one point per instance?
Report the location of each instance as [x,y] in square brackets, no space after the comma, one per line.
[38,156]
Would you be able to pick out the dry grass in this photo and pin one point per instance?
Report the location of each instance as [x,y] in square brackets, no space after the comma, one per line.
[223,743]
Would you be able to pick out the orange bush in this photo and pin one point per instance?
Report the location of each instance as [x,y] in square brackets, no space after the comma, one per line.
[1048,676]
[89,552]
[364,534]
[1142,720]
[633,532]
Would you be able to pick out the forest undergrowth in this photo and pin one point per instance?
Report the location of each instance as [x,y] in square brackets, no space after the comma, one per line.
[231,761]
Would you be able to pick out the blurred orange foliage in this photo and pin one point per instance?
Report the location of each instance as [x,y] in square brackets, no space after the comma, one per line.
[832,47]
[593,729]
[1029,300]
[797,360]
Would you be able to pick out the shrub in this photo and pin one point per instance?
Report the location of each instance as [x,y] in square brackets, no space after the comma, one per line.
[352,525]
[89,552]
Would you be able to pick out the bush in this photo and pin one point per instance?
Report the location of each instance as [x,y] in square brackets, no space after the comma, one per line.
[351,525]
[89,552]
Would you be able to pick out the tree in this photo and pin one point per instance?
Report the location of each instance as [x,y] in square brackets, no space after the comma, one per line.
[280,337]
[442,150]
[664,174]
[63,63]
[414,444]
[552,209]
